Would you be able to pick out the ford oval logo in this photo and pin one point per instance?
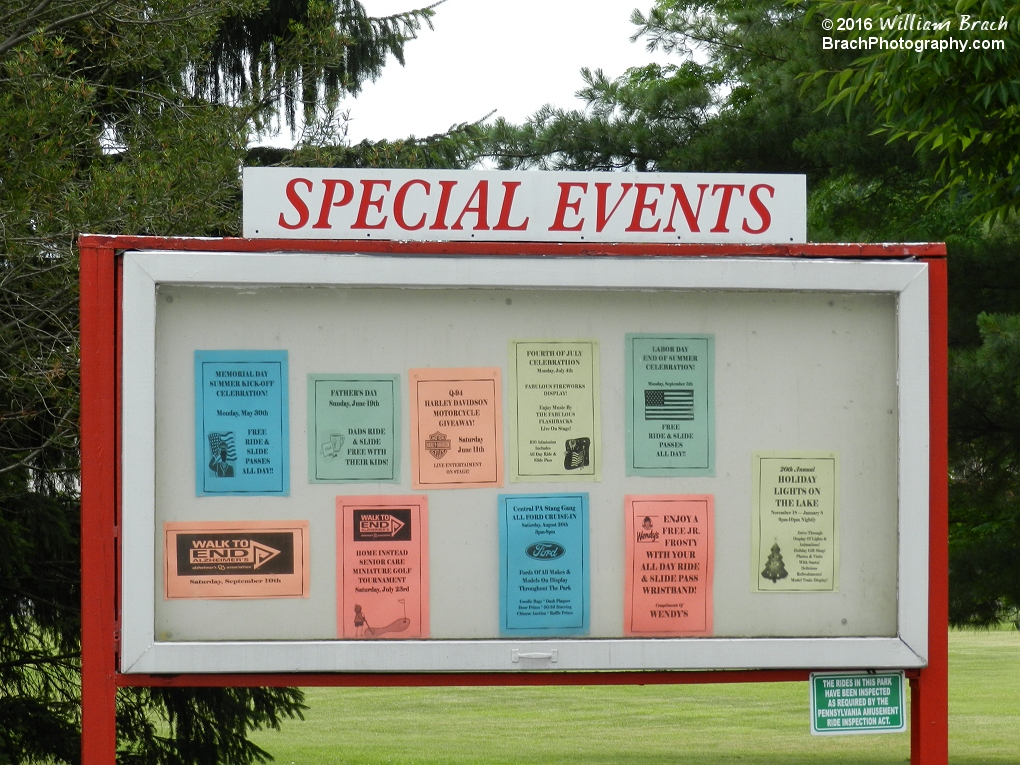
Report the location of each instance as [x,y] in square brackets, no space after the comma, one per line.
[545,550]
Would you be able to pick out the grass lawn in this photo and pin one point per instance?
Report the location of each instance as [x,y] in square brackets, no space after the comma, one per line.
[759,724]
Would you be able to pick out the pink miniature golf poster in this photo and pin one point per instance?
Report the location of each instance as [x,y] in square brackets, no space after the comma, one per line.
[456,428]
[382,567]
[669,545]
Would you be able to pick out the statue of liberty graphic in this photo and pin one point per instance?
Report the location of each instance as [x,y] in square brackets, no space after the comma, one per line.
[223,454]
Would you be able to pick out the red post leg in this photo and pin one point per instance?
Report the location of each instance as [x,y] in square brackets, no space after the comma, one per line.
[929,694]
[98,500]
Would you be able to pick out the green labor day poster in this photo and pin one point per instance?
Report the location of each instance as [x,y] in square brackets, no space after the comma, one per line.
[670,399]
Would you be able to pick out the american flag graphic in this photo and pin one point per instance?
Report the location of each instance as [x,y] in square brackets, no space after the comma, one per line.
[219,440]
[669,404]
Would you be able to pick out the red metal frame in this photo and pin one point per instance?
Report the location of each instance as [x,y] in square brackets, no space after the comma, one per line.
[100,413]
[99,527]
[929,693]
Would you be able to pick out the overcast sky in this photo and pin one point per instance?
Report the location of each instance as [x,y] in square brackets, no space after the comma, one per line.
[484,55]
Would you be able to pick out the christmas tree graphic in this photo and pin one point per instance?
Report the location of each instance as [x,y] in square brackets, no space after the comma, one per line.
[774,568]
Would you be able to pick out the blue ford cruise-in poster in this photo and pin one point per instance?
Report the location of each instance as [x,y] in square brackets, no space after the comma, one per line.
[543,552]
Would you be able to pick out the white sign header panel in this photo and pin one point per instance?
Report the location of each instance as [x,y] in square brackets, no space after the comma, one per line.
[533,206]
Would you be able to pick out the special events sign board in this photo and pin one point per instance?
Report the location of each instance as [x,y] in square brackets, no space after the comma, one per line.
[544,566]
[382,570]
[670,544]
[670,401]
[456,428]
[353,428]
[795,529]
[241,423]
[226,560]
[459,205]
[554,410]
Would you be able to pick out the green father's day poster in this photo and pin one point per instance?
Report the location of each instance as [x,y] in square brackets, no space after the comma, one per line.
[353,428]
[670,402]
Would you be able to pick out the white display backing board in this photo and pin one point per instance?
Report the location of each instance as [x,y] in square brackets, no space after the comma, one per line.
[810,355]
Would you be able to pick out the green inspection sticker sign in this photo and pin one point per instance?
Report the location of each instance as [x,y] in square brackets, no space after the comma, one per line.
[857,702]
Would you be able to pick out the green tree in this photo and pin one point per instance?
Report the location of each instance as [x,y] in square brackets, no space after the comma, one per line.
[985,469]
[133,118]
[961,105]
[774,568]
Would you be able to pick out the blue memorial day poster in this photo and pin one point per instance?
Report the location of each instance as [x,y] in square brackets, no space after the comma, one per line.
[241,427]
[543,552]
